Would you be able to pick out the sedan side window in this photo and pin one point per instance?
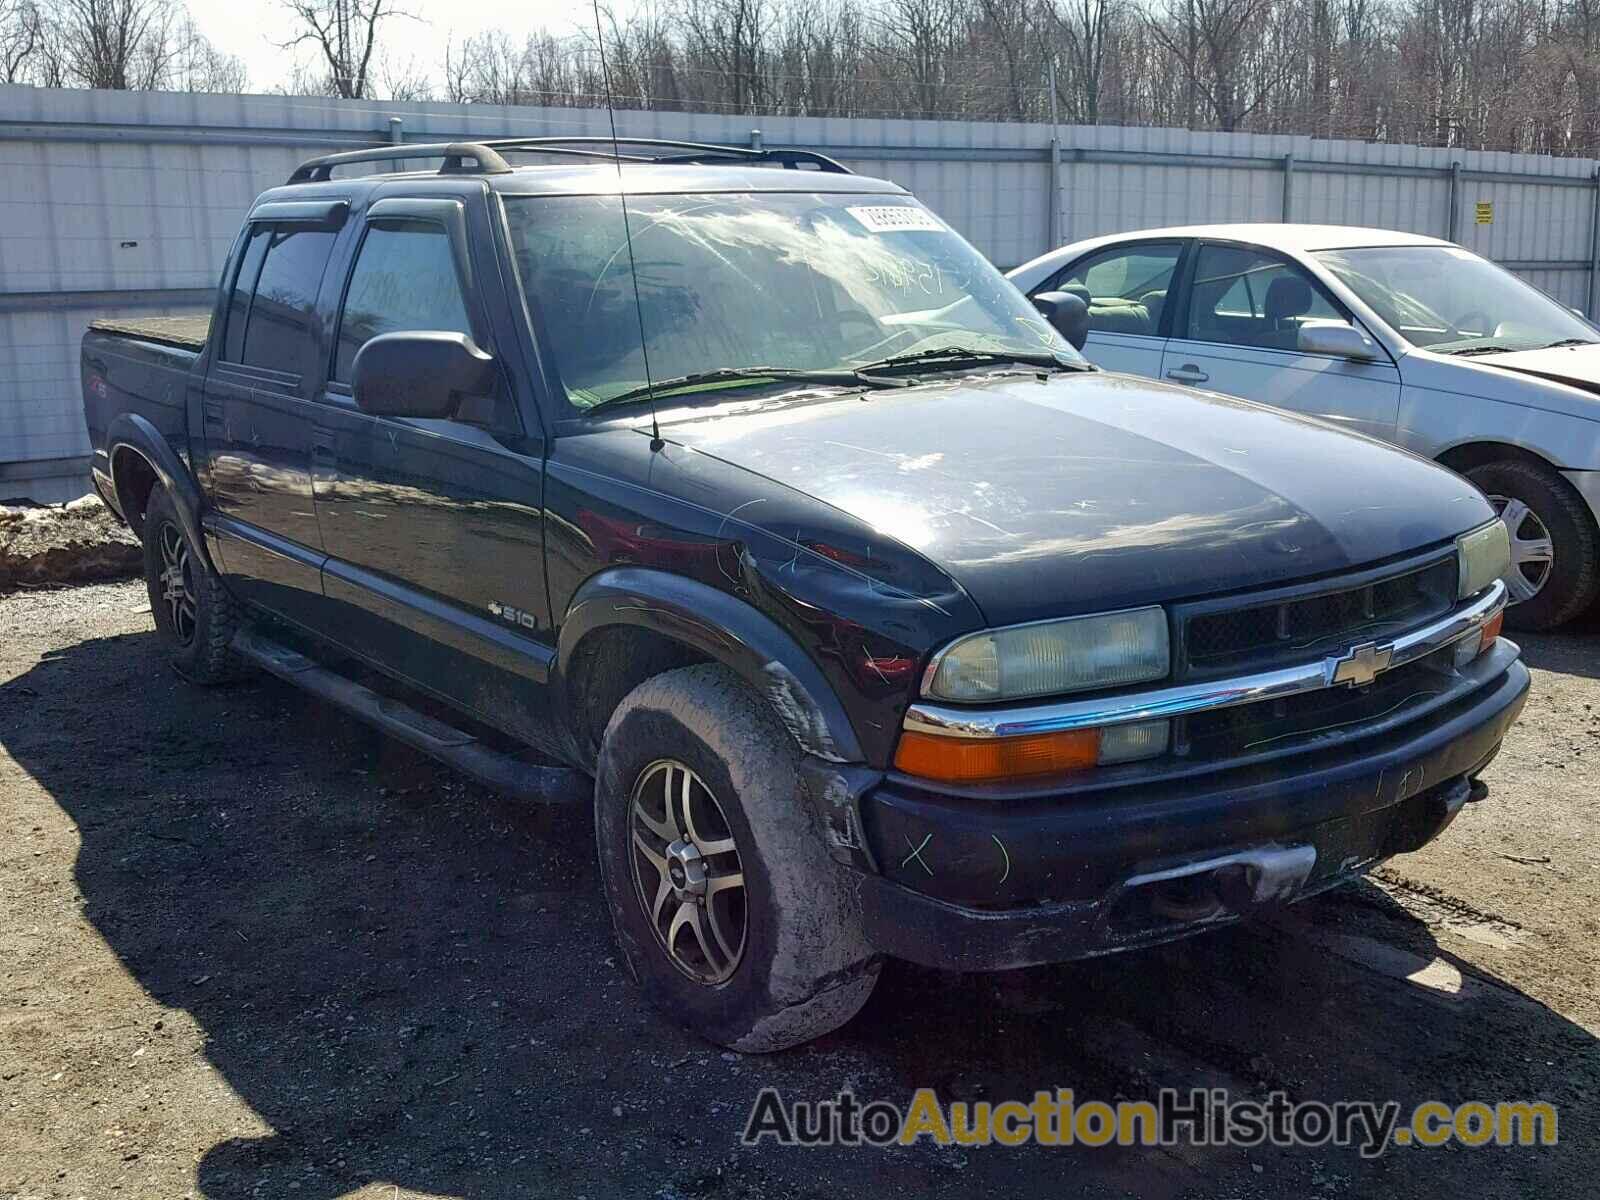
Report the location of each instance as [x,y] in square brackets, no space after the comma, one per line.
[1125,287]
[404,279]
[1243,297]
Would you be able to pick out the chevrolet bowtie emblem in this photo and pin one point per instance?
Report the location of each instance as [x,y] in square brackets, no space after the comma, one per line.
[1360,665]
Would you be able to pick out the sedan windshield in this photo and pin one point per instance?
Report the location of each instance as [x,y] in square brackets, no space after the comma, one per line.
[732,283]
[1450,301]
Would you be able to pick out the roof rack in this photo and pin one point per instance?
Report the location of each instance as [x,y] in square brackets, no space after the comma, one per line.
[485,157]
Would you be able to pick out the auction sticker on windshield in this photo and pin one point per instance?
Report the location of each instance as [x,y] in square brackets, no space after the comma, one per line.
[896,218]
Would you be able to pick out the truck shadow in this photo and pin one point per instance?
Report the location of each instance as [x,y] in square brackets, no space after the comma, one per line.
[412,982]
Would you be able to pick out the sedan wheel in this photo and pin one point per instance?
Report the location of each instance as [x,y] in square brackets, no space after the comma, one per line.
[1555,553]
[1532,551]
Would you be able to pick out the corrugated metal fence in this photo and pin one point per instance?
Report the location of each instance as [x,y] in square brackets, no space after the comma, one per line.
[116,202]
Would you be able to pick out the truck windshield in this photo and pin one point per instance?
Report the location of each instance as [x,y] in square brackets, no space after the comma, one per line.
[730,282]
[1450,301]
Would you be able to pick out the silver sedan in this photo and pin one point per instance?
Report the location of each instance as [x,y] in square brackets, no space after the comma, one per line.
[1410,339]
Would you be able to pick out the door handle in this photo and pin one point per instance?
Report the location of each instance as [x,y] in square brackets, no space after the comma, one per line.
[1188,373]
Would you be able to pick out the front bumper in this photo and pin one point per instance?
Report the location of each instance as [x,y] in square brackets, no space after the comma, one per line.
[986,883]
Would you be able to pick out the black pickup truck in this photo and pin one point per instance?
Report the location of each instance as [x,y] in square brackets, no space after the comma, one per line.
[883,623]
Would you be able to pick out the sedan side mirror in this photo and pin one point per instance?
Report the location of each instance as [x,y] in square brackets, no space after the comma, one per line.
[1337,339]
[1068,313]
[420,374]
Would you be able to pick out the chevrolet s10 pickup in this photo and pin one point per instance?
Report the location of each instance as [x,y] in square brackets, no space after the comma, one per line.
[740,485]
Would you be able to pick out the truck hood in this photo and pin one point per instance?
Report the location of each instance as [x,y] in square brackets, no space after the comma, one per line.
[1049,495]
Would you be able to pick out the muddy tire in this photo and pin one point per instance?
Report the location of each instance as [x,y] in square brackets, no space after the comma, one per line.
[1555,552]
[697,784]
[195,617]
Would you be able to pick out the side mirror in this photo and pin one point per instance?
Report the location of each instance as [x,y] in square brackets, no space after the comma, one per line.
[1068,313]
[420,374]
[1337,339]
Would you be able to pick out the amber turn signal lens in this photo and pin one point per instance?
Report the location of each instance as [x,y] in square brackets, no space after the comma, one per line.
[1491,630]
[976,760]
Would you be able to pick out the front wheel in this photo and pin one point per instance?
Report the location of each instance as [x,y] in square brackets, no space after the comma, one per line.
[1555,559]
[728,909]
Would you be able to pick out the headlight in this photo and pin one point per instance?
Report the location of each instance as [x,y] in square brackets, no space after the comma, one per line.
[1482,556]
[1049,657]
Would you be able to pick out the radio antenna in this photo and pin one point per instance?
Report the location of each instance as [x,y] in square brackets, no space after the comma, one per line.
[627,232]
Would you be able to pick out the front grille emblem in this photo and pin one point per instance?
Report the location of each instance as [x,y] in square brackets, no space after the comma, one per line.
[1360,665]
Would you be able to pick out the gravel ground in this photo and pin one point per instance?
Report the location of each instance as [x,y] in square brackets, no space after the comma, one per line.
[249,948]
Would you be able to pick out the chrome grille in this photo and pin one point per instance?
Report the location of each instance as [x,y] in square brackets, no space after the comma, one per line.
[1236,732]
[1256,632]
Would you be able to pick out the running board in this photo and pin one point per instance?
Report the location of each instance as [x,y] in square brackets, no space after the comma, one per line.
[454,747]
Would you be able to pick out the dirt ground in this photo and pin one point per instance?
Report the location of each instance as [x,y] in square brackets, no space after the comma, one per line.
[79,542]
[249,948]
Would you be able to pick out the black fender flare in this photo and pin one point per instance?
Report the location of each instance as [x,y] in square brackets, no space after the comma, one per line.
[129,433]
[725,629]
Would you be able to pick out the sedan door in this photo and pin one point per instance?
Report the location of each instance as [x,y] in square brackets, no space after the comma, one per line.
[1238,332]
[1126,288]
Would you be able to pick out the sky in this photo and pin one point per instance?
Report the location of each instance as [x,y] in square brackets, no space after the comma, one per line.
[251,30]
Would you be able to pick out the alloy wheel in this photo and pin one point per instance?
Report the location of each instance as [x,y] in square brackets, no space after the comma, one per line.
[687,872]
[1532,550]
[177,582]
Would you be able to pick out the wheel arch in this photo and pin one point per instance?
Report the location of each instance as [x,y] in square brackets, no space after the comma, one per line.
[1464,456]
[640,621]
[1467,456]
[140,457]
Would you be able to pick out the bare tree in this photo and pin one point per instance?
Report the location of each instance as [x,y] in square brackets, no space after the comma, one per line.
[404,80]
[1085,28]
[117,44]
[345,34]
[198,66]
[21,35]
[1212,41]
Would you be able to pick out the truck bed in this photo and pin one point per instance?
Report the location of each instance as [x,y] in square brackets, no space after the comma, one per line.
[140,366]
[185,333]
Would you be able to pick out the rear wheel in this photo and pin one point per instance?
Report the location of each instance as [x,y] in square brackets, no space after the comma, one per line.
[195,617]
[731,914]
[1555,559]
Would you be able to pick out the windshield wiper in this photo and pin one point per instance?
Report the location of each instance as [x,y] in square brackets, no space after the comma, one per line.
[1494,349]
[1467,351]
[851,378]
[959,357]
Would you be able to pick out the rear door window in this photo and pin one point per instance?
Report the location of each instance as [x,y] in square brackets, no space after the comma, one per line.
[278,335]
[404,279]
[274,296]
[244,287]
[1125,287]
